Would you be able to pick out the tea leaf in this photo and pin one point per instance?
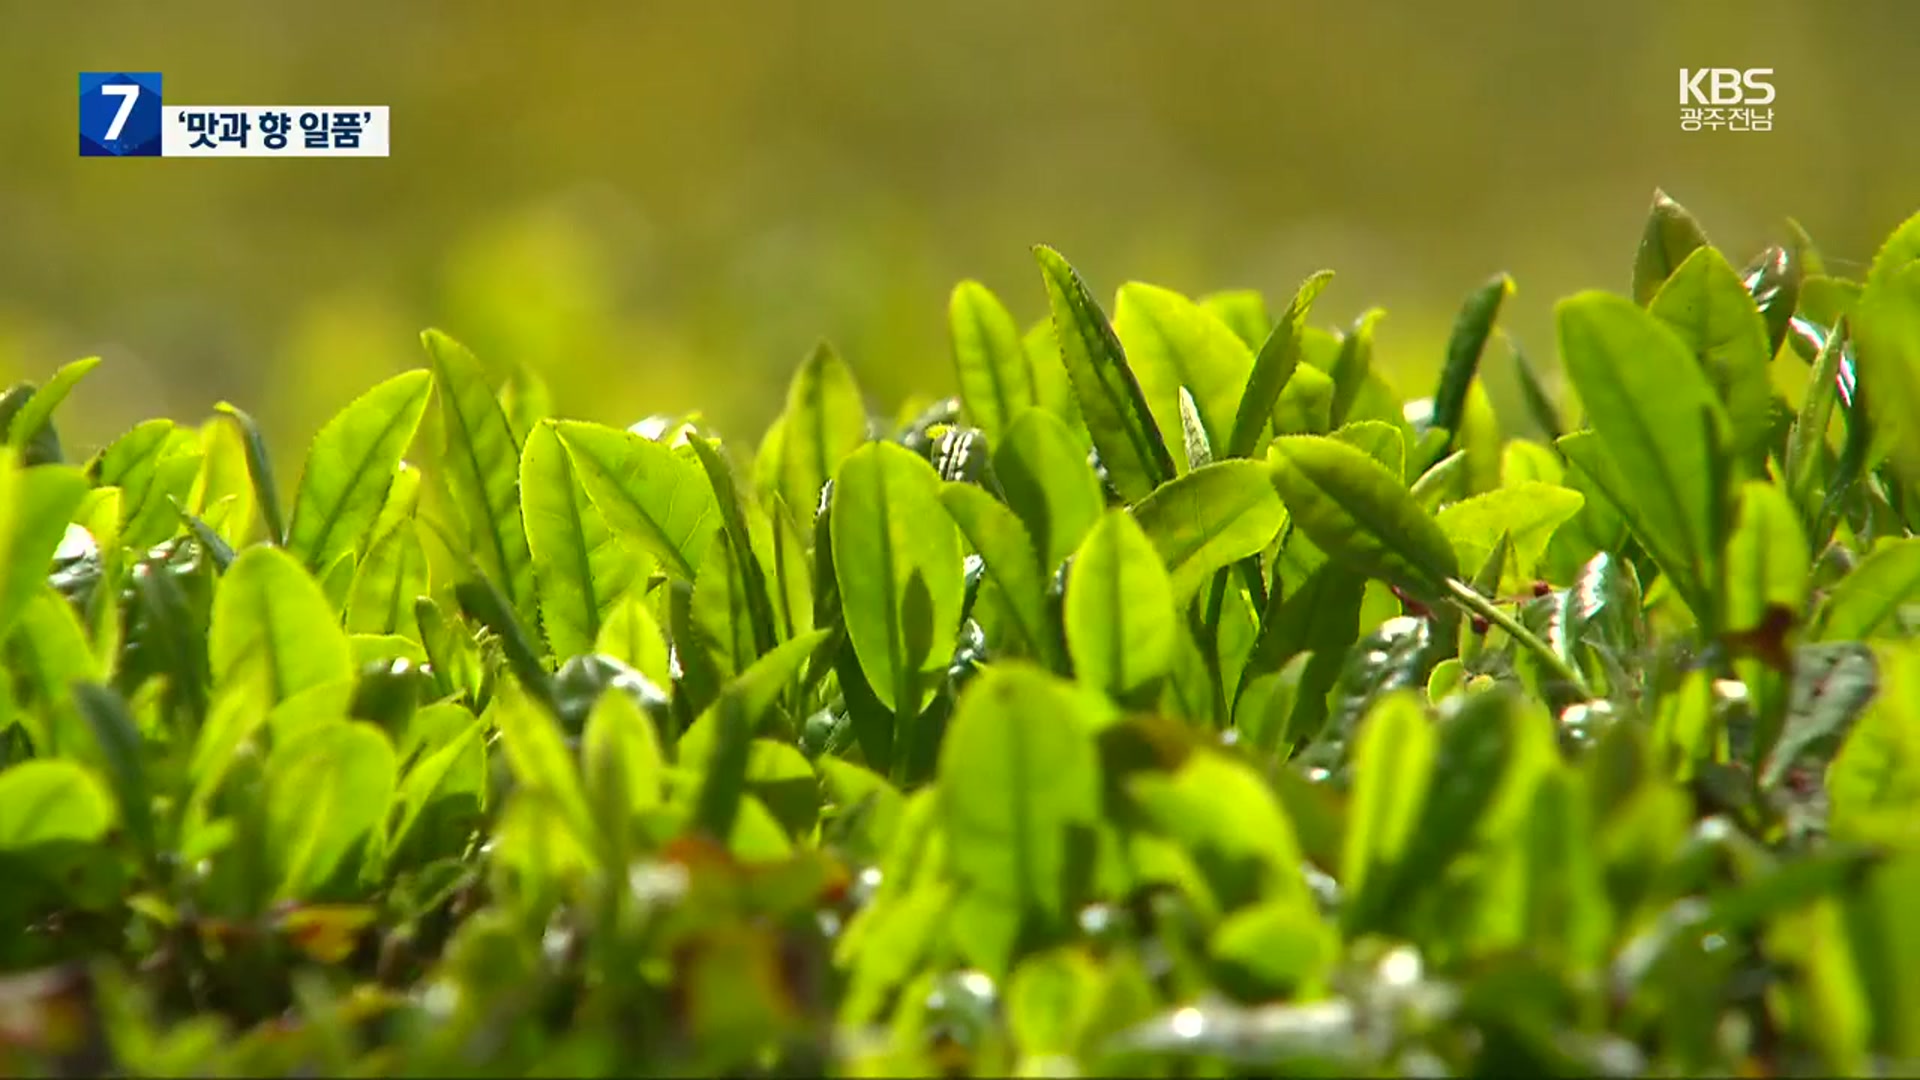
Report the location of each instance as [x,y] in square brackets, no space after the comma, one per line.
[391,577]
[1358,513]
[1119,610]
[897,559]
[1019,781]
[1707,305]
[1174,344]
[1048,484]
[1660,423]
[260,469]
[1670,235]
[1003,543]
[650,496]
[1273,368]
[46,802]
[351,467]
[1471,328]
[273,630]
[1116,412]
[482,467]
[996,377]
[36,415]
[1209,518]
[1862,604]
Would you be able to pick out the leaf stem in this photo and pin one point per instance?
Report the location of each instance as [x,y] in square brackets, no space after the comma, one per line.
[1470,599]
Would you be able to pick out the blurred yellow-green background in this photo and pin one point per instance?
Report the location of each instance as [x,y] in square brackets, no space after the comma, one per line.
[663,206]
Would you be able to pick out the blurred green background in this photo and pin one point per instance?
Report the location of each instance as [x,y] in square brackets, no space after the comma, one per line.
[663,206]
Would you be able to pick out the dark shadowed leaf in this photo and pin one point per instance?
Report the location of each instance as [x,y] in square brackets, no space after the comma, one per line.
[1670,235]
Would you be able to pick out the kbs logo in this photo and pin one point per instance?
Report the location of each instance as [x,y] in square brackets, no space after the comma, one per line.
[1725,86]
[1729,96]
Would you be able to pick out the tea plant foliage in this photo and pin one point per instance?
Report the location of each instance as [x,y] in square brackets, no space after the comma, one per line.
[1181,697]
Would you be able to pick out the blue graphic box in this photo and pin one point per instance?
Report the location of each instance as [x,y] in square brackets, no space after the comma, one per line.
[119,114]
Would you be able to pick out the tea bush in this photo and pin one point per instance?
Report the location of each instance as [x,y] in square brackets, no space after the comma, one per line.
[1178,700]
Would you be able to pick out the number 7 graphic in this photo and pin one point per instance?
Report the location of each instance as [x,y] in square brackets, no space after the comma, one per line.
[128,93]
[120,114]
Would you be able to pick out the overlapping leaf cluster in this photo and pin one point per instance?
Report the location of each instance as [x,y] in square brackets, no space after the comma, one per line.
[1177,698]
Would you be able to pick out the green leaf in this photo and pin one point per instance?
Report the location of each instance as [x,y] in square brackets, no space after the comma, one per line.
[579,567]
[1393,761]
[388,581]
[223,493]
[1353,366]
[824,422]
[1874,782]
[1660,423]
[49,802]
[1766,560]
[996,377]
[1864,603]
[272,628]
[123,752]
[1382,441]
[653,498]
[48,654]
[351,467]
[541,764]
[1008,551]
[1528,512]
[754,693]
[260,468]
[1212,517]
[1533,392]
[328,788]
[1670,235]
[146,464]
[1306,405]
[1224,814]
[38,411]
[1120,613]
[1471,328]
[1566,901]
[428,778]
[1052,385]
[621,758]
[1886,328]
[1358,513]
[482,468]
[1273,368]
[35,506]
[748,573]
[1708,306]
[1116,412]
[719,611]
[1266,703]
[1019,786]
[631,635]
[1807,442]
[1044,472]
[723,783]
[1173,344]
[897,558]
